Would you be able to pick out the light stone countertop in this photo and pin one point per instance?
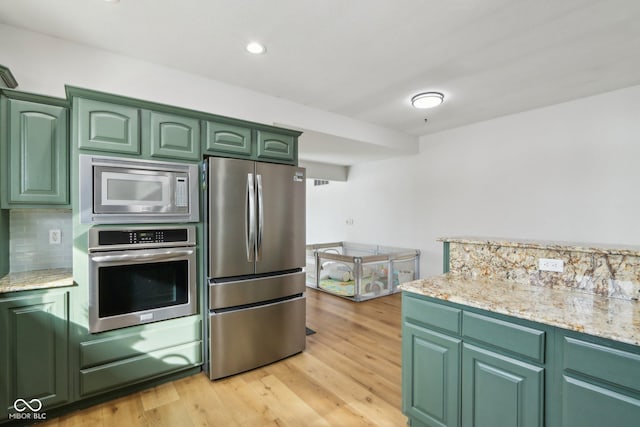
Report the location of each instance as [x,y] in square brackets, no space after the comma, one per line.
[37,279]
[612,318]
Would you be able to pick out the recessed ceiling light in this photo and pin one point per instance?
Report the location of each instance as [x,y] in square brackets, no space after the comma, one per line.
[256,48]
[427,99]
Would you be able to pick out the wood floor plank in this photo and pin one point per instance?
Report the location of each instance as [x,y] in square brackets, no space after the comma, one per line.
[158,396]
[349,375]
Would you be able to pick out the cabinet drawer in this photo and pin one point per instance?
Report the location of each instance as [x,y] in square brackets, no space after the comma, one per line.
[615,366]
[518,339]
[129,371]
[119,345]
[428,313]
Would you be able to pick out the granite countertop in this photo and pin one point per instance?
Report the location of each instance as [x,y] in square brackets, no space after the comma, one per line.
[547,245]
[612,318]
[37,279]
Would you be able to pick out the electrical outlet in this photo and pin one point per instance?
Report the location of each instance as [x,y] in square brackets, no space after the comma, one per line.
[55,236]
[349,221]
[547,264]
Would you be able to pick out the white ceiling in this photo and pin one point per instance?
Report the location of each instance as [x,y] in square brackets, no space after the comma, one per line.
[365,58]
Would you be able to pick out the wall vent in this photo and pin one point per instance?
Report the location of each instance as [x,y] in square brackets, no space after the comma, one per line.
[317,182]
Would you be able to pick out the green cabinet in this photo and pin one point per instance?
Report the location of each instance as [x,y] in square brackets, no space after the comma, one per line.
[600,384]
[431,376]
[238,141]
[129,130]
[105,126]
[496,370]
[463,368]
[120,358]
[171,136]
[226,138]
[34,349]
[130,127]
[275,146]
[35,151]
[500,391]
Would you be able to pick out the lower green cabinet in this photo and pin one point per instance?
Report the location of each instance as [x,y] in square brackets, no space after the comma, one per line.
[491,370]
[499,391]
[431,376]
[120,358]
[34,361]
[600,385]
[585,404]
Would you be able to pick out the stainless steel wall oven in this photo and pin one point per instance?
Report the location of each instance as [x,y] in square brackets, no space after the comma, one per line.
[140,275]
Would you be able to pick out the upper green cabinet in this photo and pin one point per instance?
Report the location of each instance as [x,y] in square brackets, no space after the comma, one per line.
[124,126]
[104,126]
[35,151]
[171,136]
[225,138]
[274,146]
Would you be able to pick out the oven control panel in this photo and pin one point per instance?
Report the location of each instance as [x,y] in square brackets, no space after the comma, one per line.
[142,237]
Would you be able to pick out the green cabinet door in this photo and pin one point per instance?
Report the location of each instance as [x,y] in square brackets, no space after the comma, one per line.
[222,138]
[431,376]
[273,146]
[499,391]
[171,136]
[36,154]
[585,404]
[103,126]
[34,350]
[600,384]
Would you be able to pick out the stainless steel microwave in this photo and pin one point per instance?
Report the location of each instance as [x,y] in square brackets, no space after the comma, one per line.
[124,190]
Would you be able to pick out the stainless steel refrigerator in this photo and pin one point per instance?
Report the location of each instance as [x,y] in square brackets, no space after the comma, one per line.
[256,250]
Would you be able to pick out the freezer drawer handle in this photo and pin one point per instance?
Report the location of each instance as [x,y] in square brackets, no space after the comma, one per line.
[251,217]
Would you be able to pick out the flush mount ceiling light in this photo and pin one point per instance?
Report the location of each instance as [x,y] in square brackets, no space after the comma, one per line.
[256,48]
[427,100]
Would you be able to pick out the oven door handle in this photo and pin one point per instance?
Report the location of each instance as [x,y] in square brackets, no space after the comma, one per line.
[158,256]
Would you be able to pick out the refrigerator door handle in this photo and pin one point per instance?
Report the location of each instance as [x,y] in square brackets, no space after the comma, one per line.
[251,218]
[260,217]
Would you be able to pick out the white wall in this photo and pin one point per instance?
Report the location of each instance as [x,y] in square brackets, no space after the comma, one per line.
[44,65]
[569,172]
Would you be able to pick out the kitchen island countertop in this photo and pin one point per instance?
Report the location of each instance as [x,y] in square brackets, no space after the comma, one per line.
[612,318]
[37,279]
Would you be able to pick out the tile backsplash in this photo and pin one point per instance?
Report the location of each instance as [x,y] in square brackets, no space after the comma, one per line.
[29,247]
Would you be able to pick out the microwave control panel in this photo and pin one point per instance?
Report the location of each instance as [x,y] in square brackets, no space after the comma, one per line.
[134,237]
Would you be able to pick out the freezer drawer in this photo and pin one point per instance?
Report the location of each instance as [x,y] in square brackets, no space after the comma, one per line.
[251,291]
[244,339]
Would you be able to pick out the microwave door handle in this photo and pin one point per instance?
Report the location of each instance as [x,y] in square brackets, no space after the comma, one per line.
[260,218]
[173,253]
[250,214]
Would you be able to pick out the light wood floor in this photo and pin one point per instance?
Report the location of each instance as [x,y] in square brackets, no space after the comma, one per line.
[349,375]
